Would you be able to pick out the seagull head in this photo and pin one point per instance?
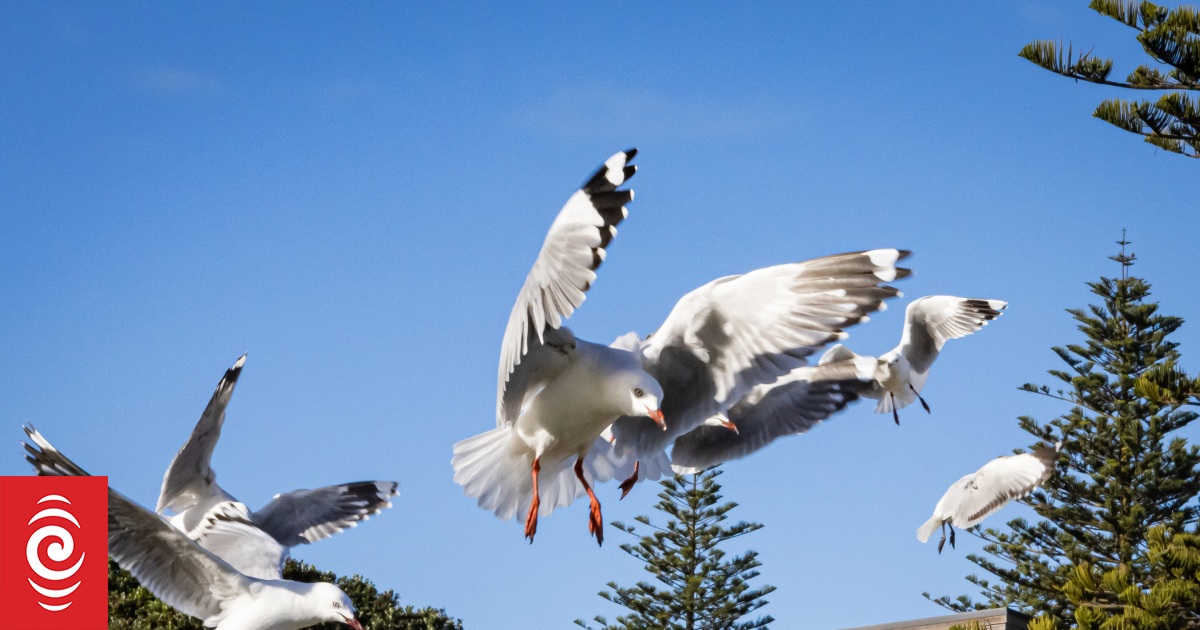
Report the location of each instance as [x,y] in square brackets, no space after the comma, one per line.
[645,397]
[334,604]
[721,420]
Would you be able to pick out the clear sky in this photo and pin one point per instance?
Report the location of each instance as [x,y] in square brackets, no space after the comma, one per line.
[354,193]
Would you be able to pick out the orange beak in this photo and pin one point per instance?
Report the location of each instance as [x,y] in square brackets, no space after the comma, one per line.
[731,426]
[354,623]
[657,416]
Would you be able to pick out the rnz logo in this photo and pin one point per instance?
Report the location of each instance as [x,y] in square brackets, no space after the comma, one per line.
[54,552]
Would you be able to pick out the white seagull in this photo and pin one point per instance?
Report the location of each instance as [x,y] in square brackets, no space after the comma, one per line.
[737,333]
[190,489]
[195,581]
[928,323]
[795,403]
[977,495]
[557,394]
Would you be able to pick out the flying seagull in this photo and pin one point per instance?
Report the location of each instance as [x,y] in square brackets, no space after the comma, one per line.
[977,495]
[557,394]
[190,489]
[736,333]
[928,323]
[795,403]
[195,581]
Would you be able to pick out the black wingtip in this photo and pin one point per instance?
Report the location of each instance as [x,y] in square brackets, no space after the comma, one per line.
[630,153]
[600,180]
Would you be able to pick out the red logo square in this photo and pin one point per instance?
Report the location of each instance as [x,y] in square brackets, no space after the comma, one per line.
[54,553]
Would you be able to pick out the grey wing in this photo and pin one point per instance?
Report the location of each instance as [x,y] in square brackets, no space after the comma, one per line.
[932,320]
[836,352]
[228,533]
[305,516]
[166,562]
[997,483]
[791,405]
[190,478]
[738,332]
[563,272]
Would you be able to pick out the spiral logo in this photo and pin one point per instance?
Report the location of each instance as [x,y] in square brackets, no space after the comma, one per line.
[58,551]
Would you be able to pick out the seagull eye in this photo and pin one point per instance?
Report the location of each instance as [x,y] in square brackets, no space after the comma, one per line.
[637,391]
[337,604]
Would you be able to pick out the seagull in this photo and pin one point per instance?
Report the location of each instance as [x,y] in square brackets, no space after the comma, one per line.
[928,323]
[556,393]
[195,581]
[977,495]
[791,405]
[190,489]
[740,332]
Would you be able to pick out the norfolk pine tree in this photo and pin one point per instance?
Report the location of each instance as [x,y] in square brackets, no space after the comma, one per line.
[1118,546]
[703,589]
[1172,38]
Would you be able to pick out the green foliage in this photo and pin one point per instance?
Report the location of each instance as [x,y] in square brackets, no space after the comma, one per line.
[703,588]
[376,610]
[1166,384]
[1117,546]
[1172,38]
[1111,599]
[131,607]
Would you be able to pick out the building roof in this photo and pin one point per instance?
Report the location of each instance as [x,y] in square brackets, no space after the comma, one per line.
[990,619]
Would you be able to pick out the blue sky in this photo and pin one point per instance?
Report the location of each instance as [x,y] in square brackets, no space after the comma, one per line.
[354,194]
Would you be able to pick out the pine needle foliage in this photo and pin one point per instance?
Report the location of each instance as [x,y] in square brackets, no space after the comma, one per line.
[376,610]
[1171,37]
[132,607]
[699,587]
[1117,544]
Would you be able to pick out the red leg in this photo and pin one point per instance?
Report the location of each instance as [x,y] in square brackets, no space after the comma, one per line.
[595,520]
[628,484]
[531,520]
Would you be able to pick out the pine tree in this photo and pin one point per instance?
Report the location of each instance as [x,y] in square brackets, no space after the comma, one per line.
[131,607]
[1170,37]
[1119,543]
[703,589]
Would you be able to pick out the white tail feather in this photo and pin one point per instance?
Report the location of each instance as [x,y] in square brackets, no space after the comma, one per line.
[930,526]
[899,401]
[495,467]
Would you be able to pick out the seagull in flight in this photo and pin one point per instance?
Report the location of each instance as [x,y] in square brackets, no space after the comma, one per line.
[738,333]
[791,405]
[190,489]
[557,394]
[194,580]
[928,323]
[976,496]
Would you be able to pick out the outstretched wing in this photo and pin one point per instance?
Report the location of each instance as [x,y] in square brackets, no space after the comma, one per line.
[190,478]
[172,567]
[932,320]
[305,516]
[738,332]
[793,404]
[563,272]
[998,482]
